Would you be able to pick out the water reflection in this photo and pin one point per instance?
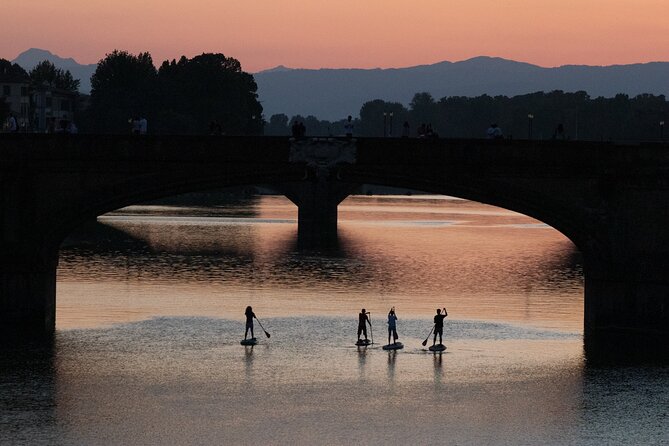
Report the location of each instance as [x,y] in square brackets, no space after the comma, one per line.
[615,348]
[484,265]
[362,359]
[177,381]
[392,357]
[163,299]
[437,362]
[248,363]
[28,394]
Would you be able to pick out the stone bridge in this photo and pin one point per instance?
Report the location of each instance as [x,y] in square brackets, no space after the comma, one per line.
[611,200]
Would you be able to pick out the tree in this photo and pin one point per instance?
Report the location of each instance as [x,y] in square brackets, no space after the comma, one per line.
[277,125]
[424,109]
[210,87]
[122,87]
[373,122]
[45,74]
[10,72]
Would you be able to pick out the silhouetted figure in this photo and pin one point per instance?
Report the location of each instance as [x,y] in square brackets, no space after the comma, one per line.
[430,133]
[494,132]
[143,126]
[134,125]
[348,127]
[439,325]
[363,320]
[12,125]
[392,325]
[406,129]
[295,129]
[559,132]
[51,125]
[422,130]
[249,321]
[215,128]
[62,126]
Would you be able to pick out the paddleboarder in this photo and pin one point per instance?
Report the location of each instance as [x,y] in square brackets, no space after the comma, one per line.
[249,321]
[363,320]
[439,325]
[392,326]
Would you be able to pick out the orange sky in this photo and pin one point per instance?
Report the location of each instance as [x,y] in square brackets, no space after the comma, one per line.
[345,33]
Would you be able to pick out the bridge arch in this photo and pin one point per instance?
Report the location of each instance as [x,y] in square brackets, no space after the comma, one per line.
[135,190]
[611,200]
[520,201]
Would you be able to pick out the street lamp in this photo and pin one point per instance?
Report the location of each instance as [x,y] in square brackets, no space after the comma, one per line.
[385,117]
[530,118]
[391,124]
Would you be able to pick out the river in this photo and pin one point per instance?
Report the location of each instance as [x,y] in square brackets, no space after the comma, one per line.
[150,312]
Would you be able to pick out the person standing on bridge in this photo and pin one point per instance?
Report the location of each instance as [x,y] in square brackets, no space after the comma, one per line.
[348,127]
[143,126]
[12,126]
[406,129]
[134,125]
[494,132]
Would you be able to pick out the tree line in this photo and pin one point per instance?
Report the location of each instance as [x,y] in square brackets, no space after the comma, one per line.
[44,74]
[207,93]
[210,93]
[539,115]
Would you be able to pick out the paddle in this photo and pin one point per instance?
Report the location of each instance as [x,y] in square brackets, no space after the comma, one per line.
[263,328]
[428,336]
[371,330]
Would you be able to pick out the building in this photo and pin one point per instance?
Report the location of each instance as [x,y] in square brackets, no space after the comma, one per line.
[16,94]
[37,108]
[52,109]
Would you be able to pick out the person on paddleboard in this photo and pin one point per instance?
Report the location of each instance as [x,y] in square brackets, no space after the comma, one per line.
[363,320]
[439,325]
[392,325]
[249,321]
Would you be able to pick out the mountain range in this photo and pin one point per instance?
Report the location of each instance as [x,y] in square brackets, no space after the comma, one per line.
[333,94]
[28,59]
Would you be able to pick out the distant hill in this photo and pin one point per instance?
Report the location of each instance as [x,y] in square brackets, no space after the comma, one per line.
[28,59]
[333,94]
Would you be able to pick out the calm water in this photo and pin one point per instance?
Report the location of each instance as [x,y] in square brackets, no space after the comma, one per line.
[150,314]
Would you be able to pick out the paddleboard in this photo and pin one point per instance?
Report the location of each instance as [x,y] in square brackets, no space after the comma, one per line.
[395,346]
[252,341]
[363,342]
[437,348]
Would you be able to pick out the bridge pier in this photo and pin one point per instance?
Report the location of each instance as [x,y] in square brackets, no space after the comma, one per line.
[626,316]
[27,298]
[320,192]
[316,219]
[626,313]
[317,202]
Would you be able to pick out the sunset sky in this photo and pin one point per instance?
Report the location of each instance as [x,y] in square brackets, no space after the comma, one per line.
[344,33]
